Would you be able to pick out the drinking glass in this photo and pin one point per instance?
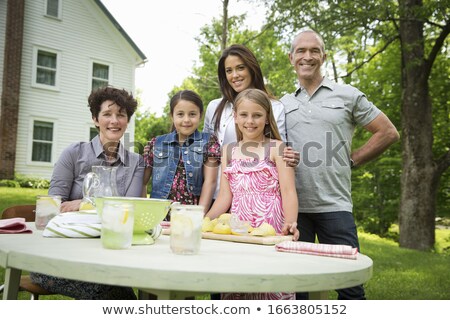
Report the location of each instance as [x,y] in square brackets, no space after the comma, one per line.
[117,225]
[47,207]
[186,229]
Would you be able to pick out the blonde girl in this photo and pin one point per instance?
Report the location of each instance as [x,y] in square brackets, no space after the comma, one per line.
[256,181]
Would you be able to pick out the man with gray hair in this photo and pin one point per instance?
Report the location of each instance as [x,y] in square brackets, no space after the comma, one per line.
[321,117]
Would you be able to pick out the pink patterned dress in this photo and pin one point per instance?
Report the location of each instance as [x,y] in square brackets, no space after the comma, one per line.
[256,198]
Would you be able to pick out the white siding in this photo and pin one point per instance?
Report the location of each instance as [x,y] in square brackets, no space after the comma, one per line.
[84,34]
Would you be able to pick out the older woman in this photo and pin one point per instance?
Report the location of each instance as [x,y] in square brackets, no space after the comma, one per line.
[111,110]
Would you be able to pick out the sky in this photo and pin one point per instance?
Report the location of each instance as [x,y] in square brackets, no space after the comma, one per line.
[165,32]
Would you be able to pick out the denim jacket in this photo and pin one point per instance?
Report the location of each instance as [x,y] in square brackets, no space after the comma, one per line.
[166,155]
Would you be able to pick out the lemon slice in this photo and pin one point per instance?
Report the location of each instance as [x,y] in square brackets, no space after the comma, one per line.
[48,201]
[181,225]
[125,216]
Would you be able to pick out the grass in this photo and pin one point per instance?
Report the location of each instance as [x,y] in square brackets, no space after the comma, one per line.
[398,273]
[404,274]
[18,196]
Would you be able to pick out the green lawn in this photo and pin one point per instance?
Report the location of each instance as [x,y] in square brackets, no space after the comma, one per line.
[403,274]
[17,196]
[398,274]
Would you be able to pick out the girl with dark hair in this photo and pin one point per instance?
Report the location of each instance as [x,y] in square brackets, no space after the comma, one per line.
[183,164]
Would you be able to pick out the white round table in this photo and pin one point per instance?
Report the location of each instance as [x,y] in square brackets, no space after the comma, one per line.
[220,266]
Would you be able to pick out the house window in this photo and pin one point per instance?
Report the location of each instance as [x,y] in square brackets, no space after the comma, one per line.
[42,141]
[92,133]
[100,75]
[53,8]
[46,69]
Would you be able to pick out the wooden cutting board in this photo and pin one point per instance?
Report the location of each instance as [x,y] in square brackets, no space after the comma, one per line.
[272,240]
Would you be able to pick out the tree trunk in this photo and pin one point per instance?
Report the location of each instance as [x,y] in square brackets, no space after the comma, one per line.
[12,65]
[223,44]
[419,179]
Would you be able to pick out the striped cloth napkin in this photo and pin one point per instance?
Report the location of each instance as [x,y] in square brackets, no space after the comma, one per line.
[73,225]
[319,249]
[13,225]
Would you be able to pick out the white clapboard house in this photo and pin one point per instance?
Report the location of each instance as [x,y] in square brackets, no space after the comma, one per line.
[52,54]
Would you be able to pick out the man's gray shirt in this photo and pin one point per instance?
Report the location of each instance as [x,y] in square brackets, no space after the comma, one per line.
[77,160]
[321,127]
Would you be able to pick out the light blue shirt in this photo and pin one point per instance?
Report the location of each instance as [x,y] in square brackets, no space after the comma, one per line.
[321,127]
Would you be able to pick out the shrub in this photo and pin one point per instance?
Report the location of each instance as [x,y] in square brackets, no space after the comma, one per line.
[32,182]
[9,183]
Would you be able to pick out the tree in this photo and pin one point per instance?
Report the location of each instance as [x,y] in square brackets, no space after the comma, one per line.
[148,126]
[358,31]
[223,43]
[422,170]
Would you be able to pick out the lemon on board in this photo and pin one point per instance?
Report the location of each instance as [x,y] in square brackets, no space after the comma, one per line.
[224,218]
[222,228]
[214,222]
[181,225]
[207,225]
[264,230]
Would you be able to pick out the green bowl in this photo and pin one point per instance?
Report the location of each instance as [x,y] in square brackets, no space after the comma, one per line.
[148,213]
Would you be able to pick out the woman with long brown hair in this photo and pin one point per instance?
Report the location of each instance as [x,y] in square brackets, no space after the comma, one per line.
[238,69]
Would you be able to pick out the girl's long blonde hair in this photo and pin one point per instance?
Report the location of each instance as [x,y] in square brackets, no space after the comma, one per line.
[262,99]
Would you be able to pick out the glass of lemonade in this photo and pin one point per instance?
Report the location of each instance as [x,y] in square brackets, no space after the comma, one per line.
[46,208]
[186,229]
[117,224]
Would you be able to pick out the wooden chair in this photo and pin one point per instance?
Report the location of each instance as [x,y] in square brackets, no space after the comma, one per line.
[24,211]
[27,212]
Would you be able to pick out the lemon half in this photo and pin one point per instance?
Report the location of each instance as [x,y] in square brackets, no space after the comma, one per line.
[222,228]
[264,230]
[207,225]
[181,225]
